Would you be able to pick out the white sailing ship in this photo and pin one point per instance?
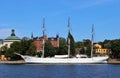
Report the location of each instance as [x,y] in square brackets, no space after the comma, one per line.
[64,59]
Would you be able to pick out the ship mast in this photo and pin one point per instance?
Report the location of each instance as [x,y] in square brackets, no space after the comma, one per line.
[43,30]
[92,40]
[68,37]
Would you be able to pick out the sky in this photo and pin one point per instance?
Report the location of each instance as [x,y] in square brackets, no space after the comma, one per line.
[25,16]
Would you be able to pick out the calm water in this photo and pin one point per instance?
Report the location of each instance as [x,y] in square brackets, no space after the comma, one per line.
[60,71]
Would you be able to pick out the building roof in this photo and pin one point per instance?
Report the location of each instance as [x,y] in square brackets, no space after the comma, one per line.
[13,36]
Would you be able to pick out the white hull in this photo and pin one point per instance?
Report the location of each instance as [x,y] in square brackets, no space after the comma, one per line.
[94,60]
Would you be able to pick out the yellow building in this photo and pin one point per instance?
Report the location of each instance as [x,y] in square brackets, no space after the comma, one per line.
[100,50]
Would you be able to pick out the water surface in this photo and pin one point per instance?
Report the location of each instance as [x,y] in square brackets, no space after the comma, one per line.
[60,71]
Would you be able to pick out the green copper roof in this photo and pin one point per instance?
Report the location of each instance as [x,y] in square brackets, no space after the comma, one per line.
[12,38]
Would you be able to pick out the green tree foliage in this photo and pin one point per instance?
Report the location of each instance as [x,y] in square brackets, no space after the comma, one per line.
[62,42]
[62,49]
[79,44]
[87,46]
[106,44]
[24,45]
[87,42]
[3,49]
[115,47]
[32,50]
[27,47]
[39,54]
[49,49]
[9,53]
[16,46]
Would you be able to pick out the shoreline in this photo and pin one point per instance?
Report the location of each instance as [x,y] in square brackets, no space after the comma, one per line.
[110,61]
[13,62]
[113,61]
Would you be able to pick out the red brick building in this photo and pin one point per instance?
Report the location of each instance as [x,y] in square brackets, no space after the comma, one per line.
[38,41]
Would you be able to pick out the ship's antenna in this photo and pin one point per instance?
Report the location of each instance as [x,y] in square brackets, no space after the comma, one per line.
[43,30]
[92,40]
[68,37]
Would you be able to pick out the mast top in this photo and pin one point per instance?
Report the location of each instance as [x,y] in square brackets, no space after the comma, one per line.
[43,27]
[92,40]
[68,24]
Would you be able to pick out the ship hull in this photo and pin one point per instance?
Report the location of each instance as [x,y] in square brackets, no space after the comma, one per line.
[94,60]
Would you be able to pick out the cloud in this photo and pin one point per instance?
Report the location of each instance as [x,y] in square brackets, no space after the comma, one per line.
[71,5]
[79,4]
[4,25]
[4,33]
[5,30]
[95,3]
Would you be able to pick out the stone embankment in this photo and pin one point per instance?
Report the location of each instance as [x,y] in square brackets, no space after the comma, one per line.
[113,61]
[12,62]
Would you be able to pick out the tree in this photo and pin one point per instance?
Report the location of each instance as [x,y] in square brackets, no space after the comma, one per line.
[62,42]
[24,45]
[3,49]
[87,46]
[107,44]
[49,49]
[115,47]
[79,44]
[87,42]
[32,50]
[9,53]
[16,46]
[39,54]
[62,49]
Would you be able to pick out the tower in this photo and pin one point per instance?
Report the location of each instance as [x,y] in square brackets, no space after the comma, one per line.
[12,32]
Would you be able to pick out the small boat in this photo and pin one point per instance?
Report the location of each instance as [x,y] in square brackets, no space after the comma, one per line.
[64,59]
